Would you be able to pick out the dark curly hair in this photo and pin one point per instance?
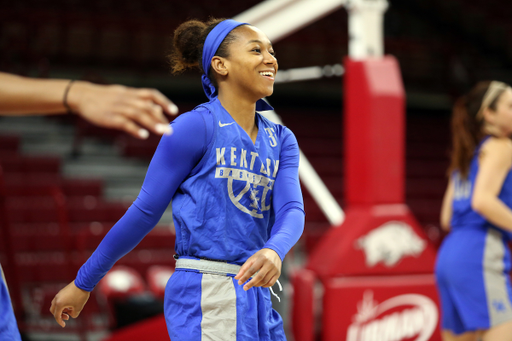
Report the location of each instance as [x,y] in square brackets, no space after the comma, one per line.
[188,43]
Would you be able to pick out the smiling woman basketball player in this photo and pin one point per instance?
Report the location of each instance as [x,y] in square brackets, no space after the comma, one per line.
[232,176]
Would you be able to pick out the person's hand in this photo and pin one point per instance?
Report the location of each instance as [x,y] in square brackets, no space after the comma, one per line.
[68,302]
[120,107]
[264,267]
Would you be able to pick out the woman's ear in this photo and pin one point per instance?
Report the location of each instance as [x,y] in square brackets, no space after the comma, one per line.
[219,65]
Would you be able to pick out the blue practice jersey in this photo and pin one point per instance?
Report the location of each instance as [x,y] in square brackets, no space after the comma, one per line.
[230,197]
[463,215]
[223,210]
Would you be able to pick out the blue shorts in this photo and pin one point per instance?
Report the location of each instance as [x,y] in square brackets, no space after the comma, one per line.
[8,326]
[200,306]
[472,273]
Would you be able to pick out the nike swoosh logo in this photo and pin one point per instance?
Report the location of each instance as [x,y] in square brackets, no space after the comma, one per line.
[225,124]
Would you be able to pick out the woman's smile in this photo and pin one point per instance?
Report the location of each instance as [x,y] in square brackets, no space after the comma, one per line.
[268,74]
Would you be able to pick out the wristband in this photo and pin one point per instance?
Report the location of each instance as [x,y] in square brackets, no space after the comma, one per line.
[65,98]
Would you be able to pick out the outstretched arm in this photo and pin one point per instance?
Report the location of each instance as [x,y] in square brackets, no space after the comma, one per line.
[109,106]
[174,159]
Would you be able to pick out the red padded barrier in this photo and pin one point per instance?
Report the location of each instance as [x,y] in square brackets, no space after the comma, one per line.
[374,132]
[303,320]
[376,240]
[380,247]
[381,308]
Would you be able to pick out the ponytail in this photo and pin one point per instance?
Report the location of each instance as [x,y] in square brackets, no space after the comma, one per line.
[468,125]
[188,43]
[465,137]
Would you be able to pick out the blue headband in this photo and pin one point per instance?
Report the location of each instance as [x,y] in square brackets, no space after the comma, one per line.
[211,45]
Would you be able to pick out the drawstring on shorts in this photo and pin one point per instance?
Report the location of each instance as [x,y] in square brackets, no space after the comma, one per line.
[280,290]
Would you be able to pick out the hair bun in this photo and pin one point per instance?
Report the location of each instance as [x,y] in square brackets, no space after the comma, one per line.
[187,42]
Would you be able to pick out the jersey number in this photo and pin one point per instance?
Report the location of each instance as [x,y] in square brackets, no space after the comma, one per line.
[271,132]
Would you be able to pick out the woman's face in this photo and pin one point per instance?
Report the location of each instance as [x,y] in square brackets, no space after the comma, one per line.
[502,117]
[251,64]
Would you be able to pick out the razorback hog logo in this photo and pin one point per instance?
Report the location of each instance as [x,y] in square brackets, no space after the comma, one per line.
[404,317]
[389,243]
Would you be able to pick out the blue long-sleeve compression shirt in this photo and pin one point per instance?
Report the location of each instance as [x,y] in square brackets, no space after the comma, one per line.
[230,196]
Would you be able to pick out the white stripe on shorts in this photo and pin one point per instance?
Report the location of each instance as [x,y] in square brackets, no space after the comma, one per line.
[498,301]
[218,305]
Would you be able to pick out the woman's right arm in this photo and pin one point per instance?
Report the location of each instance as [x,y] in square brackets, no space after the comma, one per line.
[173,161]
[494,164]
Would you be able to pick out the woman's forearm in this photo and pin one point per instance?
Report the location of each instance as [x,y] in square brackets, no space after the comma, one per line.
[21,95]
[495,211]
[109,106]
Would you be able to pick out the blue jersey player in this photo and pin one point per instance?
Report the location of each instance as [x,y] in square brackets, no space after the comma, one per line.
[473,263]
[232,176]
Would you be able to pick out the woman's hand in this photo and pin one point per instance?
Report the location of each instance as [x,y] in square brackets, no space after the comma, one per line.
[68,302]
[124,108]
[264,267]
